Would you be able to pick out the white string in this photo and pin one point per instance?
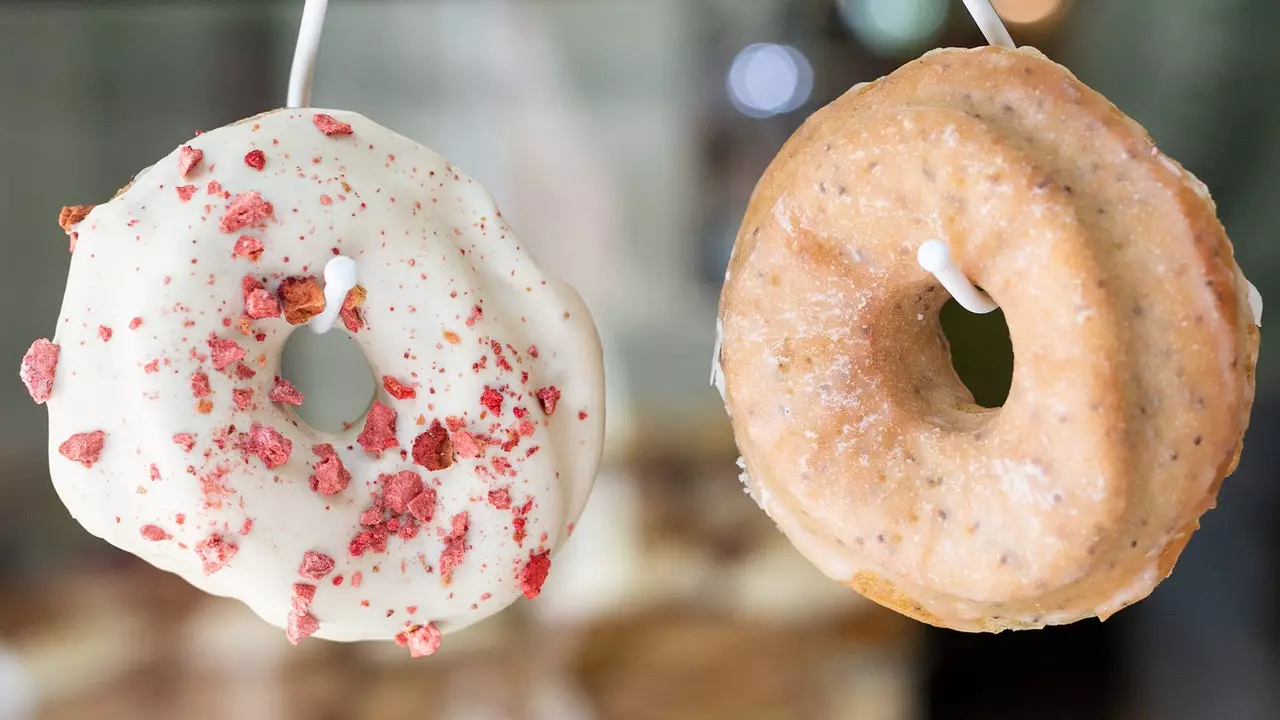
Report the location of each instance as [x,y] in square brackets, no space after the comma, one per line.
[934,255]
[304,56]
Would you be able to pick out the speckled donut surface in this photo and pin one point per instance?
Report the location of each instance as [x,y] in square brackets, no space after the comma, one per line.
[172,435]
[1133,339]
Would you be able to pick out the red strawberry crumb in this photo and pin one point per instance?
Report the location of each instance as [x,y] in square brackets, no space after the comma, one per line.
[105,333]
[534,574]
[214,188]
[357,578]
[330,125]
[84,448]
[285,393]
[379,429]
[350,313]
[215,553]
[261,304]
[476,314]
[200,384]
[500,499]
[409,530]
[302,298]
[455,547]
[268,444]
[532,352]
[188,158]
[248,247]
[186,192]
[422,640]
[548,398]
[315,566]
[433,449]
[224,353]
[371,517]
[255,159]
[243,398]
[331,476]
[468,445]
[39,365]
[519,412]
[247,209]
[300,626]
[518,532]
[396,389]
[491,399]
[244,372]
[582,415]
[374,540]
[455,423]
[155,473]
[303,596]
[154,533]
[71,215]
[399,489]
[423,507]
[186,440]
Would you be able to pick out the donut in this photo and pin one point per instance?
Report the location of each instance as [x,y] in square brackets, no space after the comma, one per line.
[173,436]
[1134,342]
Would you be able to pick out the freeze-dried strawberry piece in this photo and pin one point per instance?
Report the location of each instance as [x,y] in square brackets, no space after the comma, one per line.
[200,385]
[188,158]
[302,299]
[186,192]
[153,533]
[186,440]
[399,489]
[303,596]
[330,125]
[548,398]
[268,444]
[432,449]
[261,304]
[39,365]
[215,552]
[422,640]
[331,476]
[242,397]
[534,574]
[396,389]
[286,394]
[224,353]
[491,399]
[423,507]
[248,247]
[455,547]
[72,214]
[300,626]
[315,566]
[379,429]
[500,499]
[255,159]
[351,315]
[84,448]
[468,445]
[247,209]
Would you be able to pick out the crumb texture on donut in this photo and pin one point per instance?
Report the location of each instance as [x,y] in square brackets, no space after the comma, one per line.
[1133,340]
[172,435]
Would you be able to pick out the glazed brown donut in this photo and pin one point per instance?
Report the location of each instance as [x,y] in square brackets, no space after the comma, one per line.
[1133,337]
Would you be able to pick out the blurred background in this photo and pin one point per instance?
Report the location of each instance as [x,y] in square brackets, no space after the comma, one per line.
[622,138]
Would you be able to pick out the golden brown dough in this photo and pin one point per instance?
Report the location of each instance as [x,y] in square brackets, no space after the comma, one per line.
[1134,346]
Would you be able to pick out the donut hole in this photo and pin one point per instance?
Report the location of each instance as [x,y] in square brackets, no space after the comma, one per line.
[981,352]
[334,375]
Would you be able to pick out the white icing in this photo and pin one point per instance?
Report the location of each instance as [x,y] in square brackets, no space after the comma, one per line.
[339,278]
[935,257]
[1255,303]
[717,372]
[431,246]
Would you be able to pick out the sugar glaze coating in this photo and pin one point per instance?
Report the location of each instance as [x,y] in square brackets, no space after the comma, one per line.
[485,435]
[1131,325]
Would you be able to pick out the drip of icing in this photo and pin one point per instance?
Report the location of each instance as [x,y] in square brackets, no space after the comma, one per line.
[935,257]
[717,372]
[339,279]
[1255,303]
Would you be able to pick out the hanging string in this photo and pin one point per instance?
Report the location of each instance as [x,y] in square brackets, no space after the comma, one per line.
[304,55]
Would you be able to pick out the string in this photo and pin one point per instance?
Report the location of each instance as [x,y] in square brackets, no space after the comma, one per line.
[304,55]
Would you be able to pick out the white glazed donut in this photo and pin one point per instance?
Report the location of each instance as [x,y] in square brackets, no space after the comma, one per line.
[171,437]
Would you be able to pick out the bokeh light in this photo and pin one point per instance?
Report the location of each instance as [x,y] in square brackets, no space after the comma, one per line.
[1027,12]
[895,27]
[768,79]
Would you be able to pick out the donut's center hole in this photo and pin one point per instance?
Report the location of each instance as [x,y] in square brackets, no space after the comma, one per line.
[981,352]
[333,375]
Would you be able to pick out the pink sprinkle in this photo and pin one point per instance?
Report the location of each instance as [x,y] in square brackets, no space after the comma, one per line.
[186,192]
[247,209]
[331,476]
[215,553]
[399,489]
[269,445]
[255,159]
[534,574]
[38,368]
[154,533]
[225,352]
[330,126]
[84,448]
[379,429]
[188,158]
[315,566]
[285,393]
